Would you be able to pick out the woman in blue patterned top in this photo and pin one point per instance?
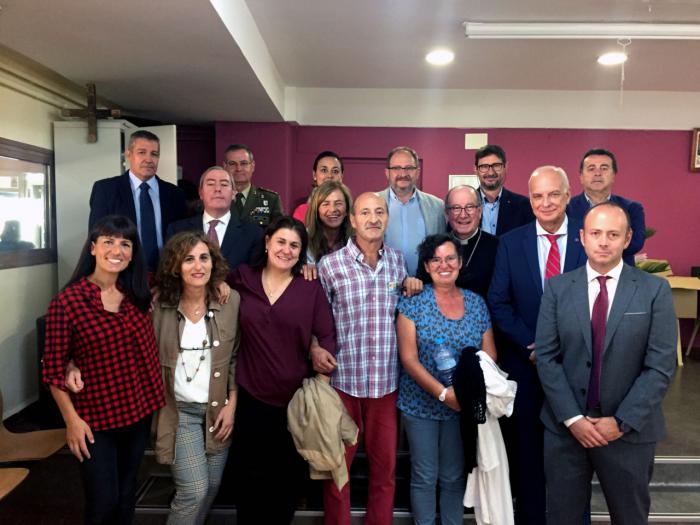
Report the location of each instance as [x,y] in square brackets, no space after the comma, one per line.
[447,318]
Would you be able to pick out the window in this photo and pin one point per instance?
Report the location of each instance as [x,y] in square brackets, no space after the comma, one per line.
[27,210]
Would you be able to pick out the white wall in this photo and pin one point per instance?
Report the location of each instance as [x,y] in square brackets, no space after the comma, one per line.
[455,108]
[27,111]
[26,291]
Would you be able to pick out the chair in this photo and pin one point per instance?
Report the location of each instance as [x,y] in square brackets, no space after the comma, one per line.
[10,478]
[28,446]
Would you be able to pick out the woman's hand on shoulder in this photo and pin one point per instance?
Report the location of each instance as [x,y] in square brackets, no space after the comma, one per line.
[223,292]
[412,286]
[309,272]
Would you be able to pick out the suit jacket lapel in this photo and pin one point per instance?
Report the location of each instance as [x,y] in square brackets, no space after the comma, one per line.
[575,256]
[626,289]
[227,243]
[248,205]
[530,250]
[126,195]
[504,213]
[579,296]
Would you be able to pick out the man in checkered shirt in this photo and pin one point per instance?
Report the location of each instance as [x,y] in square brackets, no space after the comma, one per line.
[363,282]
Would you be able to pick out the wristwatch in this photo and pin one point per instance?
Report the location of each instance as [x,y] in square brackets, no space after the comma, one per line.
[442,395]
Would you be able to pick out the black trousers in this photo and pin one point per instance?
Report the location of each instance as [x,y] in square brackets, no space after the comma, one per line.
[110,474]
[268,472]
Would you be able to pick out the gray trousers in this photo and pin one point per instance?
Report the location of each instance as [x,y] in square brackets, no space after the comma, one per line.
[624,471]
[197,475]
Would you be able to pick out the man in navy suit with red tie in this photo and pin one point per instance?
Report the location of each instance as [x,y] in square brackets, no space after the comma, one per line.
[525,259]
[151,203]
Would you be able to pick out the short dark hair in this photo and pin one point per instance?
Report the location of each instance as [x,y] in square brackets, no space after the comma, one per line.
[609,204]
[325,154]
[143,134]
[133,280]
[284,221]
[599,151]
[399,149]
[426,251]
[489,149]
[168,278]
[236,147]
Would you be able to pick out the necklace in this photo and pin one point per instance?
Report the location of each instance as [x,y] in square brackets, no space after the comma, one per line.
[196,309]
[280,287]
[205,346]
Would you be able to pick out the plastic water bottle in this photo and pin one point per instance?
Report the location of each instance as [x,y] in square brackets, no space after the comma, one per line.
[445,361]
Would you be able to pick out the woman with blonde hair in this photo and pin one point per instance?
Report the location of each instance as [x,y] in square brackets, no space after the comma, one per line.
[327,220]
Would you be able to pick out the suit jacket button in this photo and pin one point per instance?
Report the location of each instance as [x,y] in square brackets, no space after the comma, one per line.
[588,364]
[583,391]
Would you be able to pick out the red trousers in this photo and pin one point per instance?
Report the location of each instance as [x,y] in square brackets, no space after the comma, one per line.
[376,419]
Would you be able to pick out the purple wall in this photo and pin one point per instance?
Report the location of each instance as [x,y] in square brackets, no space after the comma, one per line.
[653,166]
[195,150]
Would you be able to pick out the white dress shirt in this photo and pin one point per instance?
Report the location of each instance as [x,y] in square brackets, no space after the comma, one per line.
[220,228]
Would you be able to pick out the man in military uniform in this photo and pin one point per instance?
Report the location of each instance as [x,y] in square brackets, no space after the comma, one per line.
[254,205]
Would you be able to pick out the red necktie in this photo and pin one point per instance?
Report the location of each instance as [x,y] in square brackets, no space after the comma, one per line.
[599,317]
[211,233]
[553,266]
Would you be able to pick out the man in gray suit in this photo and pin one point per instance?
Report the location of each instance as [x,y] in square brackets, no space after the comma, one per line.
[413,214]
[605,347]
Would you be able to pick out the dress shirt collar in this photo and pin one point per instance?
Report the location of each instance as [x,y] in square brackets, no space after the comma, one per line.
[413,197]
[136,182]
[591,274]
[464,241]
[246,192]
[224,219]
[563,229]
[486,201]
[356,253]
[590,202]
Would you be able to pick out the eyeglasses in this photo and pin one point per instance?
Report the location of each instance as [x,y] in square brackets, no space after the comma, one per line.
[243,164]
[406,169]
[457,210]
[497,167]
[450,260]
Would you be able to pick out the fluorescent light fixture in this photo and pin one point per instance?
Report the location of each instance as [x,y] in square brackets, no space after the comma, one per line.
[440,57]
[613,58]
[583,30]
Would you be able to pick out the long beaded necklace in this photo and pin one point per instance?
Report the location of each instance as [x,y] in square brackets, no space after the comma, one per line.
[205,346]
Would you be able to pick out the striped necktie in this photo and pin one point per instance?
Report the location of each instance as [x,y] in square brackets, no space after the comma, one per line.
[553,266]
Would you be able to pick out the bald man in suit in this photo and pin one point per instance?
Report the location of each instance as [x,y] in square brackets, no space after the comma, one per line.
[605,348]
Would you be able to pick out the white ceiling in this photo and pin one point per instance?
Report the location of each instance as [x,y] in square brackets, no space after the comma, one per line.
[198,61]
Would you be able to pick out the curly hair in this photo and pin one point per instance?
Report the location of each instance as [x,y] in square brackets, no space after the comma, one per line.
[318,244]
[168,278]
[426,251]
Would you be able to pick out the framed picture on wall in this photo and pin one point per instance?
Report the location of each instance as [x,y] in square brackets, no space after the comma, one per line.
[469,180]
[695,151]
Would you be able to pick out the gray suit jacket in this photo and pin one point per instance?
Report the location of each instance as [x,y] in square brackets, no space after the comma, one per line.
[433,210]
[638,356]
